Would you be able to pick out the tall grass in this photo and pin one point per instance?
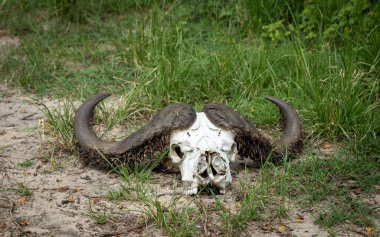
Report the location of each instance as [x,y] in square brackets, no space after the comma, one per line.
[165,55]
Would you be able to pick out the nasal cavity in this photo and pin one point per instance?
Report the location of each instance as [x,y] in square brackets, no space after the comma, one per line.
[177,151]
[204,174]
[214,172]
[218,165]
[202,167]
[210,160]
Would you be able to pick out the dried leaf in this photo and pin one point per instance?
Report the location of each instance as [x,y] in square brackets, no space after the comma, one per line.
[71,199]
[21,200]
[281,228]
[23,222]
[299,218]
[369,229]
[326,146]
[266,228]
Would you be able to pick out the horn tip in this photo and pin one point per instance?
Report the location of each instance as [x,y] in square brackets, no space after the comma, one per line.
[271,98]
[104,94]
[268,97]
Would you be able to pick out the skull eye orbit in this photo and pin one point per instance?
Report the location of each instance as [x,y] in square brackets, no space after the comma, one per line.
[177,152]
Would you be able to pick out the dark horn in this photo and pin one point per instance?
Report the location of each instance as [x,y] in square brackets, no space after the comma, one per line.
[290,122]
[250,142]
[84,135]
[147,141]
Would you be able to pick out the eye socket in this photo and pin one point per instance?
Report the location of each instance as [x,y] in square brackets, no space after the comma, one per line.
[178,151]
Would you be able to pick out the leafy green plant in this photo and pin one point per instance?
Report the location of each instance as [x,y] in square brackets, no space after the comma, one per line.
[100,217]
[24,164]
[23,190]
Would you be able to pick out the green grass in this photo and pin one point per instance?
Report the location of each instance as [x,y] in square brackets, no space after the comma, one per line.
[25,164]
[134,185]
[60,123]
[23,190]
[332,182]
[154,53]
[175,221]
[100,217]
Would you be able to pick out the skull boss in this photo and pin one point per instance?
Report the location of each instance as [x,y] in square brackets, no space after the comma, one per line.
[203,154]
[202,145]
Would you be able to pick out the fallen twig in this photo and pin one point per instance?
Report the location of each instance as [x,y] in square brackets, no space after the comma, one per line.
[358,231]
[28,116]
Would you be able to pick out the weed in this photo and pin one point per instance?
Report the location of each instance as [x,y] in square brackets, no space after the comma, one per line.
[116,195]
[134,185]
[51,158]
[101,217]
[247,211]
[60,121]
[25,164]
[173,220]
[23,190]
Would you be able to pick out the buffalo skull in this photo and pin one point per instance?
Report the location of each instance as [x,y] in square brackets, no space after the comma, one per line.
[201,145]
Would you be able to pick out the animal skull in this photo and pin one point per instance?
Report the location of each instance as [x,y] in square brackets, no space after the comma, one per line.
[203,154]
[202,145]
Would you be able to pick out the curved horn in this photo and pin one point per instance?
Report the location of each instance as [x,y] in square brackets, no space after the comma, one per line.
[85,137]
[291,125]
[250,142]
[149,140]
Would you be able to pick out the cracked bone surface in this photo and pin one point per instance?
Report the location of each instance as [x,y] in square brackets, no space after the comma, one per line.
[203,154]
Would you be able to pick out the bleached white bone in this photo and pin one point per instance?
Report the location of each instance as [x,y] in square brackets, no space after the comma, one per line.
[203,154]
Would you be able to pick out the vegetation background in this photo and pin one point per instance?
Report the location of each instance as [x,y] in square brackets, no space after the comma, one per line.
[321,56]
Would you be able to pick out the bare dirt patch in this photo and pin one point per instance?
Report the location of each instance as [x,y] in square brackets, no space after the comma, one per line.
[44,193]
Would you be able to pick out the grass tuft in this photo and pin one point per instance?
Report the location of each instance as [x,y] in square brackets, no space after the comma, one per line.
[173,220]
[60,123]
[23,190]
